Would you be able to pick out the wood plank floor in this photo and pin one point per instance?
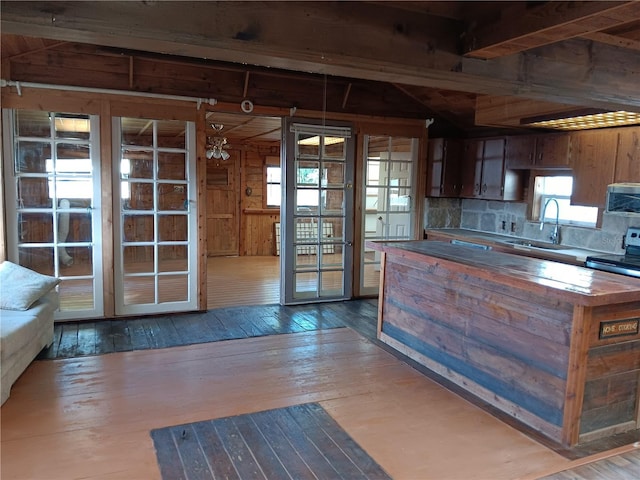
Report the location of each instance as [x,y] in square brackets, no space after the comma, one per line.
[66,400]
[90,417]
[74,339]
[291,443]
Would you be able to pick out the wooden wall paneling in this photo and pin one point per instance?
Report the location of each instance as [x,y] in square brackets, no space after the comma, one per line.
[201,206]
[628,156]
[109,206]
[358,212]
[576,375]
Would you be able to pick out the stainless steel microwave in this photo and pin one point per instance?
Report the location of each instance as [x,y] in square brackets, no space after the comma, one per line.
[623,198]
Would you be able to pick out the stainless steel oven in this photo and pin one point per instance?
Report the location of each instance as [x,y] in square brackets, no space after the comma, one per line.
[625,264]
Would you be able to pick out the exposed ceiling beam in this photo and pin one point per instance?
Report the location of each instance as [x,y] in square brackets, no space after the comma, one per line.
[548,23]
[383,44]
[443,114]
[613,40]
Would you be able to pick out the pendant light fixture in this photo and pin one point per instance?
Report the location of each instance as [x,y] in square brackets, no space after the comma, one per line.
[216,144]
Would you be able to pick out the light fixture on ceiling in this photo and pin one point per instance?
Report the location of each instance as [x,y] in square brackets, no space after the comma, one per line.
[216,144]
[583,120]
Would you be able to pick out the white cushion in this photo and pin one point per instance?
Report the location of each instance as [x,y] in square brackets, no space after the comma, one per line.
[21,287]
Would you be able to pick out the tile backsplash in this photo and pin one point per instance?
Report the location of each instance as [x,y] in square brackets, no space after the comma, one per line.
[510,218]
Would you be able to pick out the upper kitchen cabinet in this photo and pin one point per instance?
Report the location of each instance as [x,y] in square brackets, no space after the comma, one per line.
[484,174]
[594,157]
[628,156]
[444,161]
[550,151]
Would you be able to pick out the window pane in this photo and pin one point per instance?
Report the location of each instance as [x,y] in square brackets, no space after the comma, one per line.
[274,193]
[559,188]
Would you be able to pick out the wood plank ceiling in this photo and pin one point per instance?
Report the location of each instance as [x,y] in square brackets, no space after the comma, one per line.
[394,59]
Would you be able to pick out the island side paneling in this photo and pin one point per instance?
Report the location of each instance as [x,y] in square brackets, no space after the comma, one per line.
[612,383]
[508,346]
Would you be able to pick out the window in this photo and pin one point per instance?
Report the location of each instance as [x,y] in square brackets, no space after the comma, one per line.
[274,188]
[560,189]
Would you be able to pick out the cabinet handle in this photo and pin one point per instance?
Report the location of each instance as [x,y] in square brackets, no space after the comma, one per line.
[484,188]
[476,188]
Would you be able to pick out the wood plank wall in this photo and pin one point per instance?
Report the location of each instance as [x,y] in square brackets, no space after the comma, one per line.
[612,384]
[505,345]
[257,221]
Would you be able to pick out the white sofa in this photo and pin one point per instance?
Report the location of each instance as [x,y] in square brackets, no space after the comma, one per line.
[24,332]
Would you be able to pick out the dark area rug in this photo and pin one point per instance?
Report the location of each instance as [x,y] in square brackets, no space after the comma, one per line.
[297,442]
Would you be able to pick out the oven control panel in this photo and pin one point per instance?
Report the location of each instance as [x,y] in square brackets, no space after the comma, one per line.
[632,241]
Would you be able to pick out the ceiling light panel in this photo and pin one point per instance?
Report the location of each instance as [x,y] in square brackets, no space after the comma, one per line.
[586,122]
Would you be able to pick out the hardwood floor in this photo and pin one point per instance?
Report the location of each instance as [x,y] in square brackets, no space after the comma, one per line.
[233,281]
[91,417]
[75,339]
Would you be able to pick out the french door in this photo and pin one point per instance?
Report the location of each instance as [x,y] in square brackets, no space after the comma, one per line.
[317,231]
[388,201]
[154,177]
[52,197]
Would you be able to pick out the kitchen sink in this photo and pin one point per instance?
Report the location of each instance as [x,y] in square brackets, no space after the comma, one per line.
[531,244]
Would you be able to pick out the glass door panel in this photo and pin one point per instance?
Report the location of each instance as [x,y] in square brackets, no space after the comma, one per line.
[388,199]
[155,269]
[53,203]
[318,209]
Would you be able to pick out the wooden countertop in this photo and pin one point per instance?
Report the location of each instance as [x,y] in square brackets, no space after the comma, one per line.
[509,244]
[576,284]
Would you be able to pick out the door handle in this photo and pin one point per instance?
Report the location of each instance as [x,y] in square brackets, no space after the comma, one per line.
[349,244]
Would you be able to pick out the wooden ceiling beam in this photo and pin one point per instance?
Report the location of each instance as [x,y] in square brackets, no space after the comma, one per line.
[348,39]
[613,40]
[548,23]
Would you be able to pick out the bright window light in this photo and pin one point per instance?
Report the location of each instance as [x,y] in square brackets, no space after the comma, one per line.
[560,188]
[72,178]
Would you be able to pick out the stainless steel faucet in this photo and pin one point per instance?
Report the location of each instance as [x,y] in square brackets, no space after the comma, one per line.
[555,235]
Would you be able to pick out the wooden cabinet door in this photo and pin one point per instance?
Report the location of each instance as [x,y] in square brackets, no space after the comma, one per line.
[223,216]
[553,151]
[444,159]
[435,159]
[471,174]
[493,169]
[628,156]
[519,151]
[593,166]
[450,184]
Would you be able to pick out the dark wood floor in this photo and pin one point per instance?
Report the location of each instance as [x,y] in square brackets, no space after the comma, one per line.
[301,441]
[74,339]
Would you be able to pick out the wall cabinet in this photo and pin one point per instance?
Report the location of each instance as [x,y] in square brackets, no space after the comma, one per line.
[593,166]
[549,151]
[484,174]
[444,158]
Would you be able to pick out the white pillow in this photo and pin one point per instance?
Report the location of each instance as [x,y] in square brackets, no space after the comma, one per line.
[21,287]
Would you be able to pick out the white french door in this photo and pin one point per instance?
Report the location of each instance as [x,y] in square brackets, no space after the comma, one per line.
[52,197]
[388,201]
[155,226]
[317,230]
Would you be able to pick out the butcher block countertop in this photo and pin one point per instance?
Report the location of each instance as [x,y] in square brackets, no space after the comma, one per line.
[579,285]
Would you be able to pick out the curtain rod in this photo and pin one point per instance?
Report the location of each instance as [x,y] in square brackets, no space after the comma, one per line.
[20,85]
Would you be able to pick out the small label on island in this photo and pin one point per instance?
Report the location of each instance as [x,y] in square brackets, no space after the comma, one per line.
[619,328]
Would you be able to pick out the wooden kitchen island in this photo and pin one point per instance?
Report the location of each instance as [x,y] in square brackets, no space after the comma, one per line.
[555,346]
